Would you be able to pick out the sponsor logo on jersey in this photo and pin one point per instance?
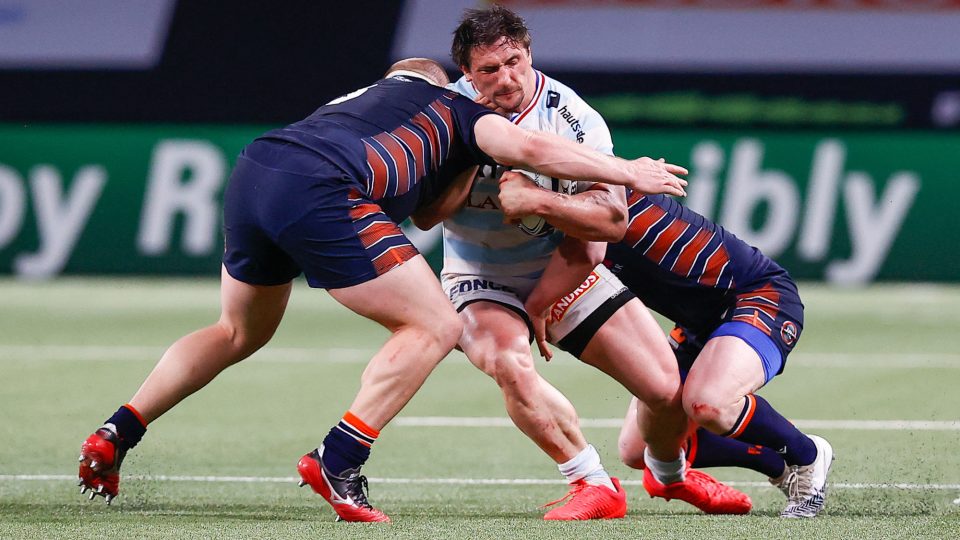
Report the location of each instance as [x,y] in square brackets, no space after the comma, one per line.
[475,284]
[553,99]
[483,202]
[574,123]
[788,333]
[560,308]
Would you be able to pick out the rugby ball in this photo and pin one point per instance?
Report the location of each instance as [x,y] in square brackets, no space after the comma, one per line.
[536,225]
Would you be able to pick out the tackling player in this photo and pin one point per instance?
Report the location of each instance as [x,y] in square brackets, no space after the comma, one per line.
[491,266]
[323,197]
[738,316]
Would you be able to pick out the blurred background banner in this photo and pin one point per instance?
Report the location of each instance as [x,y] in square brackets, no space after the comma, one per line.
[96,34]
[717,35]
[825,133]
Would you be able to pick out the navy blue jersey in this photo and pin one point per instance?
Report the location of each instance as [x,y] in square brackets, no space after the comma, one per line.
[692,271]
[401,139]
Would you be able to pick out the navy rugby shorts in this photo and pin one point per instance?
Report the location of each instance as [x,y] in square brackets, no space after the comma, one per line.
[768,318]
[279,223]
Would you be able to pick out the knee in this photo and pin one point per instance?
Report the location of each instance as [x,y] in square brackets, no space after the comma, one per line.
[664,394]
[448,331]
[244,341]
[512,368]
[705,409]
[441,332]
[631,451]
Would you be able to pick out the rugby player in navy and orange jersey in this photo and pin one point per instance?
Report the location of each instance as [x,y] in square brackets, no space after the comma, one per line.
[323,197]
[738,316]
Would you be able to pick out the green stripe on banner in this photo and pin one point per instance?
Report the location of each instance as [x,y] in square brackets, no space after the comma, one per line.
[846,207]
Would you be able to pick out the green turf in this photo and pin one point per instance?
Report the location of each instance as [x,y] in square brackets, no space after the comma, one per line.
[71,351]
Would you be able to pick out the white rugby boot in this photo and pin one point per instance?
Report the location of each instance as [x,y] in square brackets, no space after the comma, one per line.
[806,486]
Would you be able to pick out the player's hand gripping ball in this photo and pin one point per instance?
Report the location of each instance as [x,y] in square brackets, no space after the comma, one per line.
[535,225]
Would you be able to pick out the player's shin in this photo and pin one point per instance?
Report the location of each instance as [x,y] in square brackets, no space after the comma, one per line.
[759,423]
[705,449]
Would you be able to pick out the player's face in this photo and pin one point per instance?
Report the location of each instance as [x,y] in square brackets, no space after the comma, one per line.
[503,73]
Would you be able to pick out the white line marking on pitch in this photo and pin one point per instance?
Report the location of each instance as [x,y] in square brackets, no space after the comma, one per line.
[495,421]
[362,355]
[138,353]
[443,481]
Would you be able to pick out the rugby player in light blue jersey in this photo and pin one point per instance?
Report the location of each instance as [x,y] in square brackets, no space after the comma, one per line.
[490,267]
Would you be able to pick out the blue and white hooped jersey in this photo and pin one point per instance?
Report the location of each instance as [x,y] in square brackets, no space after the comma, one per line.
[475,240]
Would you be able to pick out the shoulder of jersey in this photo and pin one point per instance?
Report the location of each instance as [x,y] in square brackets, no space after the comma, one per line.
[556,95]
[464,87]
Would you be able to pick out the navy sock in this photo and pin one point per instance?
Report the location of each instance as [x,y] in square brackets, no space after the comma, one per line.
[709,450]
[760,424]
[130,426]
[347,446]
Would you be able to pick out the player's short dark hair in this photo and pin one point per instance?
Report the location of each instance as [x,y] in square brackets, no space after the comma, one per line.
[485,27]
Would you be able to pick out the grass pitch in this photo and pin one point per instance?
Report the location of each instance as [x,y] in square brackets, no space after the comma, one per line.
[221,465]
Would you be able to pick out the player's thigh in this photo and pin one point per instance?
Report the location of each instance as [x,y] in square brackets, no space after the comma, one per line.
[727,369]
[406,295]
[632,348]
[253,311]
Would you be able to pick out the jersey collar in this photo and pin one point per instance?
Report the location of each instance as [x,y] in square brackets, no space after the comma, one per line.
[541,81]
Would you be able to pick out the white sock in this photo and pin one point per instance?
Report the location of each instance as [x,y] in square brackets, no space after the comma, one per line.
[586,465]
[666,472]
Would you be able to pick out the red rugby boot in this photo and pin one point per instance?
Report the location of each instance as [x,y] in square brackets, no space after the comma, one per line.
[345,494]
[589,501]
[100,458]
[701,490]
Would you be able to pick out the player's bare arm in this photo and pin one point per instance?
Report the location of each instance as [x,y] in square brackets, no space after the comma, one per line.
[569,266]
[556,156]
[452,199]
[599,214]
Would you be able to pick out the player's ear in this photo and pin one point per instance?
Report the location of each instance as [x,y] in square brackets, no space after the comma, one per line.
[466,73]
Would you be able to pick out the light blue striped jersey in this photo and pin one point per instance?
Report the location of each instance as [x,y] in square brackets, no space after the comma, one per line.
[475,240]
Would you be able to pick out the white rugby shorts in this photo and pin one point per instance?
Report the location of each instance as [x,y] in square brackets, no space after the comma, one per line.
[566,313]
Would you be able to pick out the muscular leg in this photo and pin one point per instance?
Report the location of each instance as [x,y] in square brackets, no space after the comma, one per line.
[495,339]
[704,449]
[408,301]
[718,395]
[725,371]
[630,442]
[249,317]
[644,364]
[656,426]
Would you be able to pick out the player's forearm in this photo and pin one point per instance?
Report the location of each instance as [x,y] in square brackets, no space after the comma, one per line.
[596,215]
[550,154]
[450,201]
[569,266]
[556,156]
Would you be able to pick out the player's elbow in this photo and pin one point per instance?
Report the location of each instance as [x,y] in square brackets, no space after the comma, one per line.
[610,220]
[614,227]
[425,222]
[609,231]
